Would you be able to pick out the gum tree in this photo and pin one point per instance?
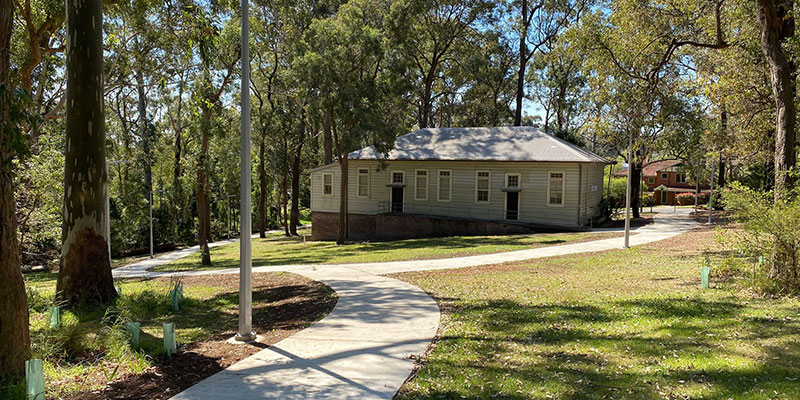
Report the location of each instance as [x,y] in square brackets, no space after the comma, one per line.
[14,330]
[85,273]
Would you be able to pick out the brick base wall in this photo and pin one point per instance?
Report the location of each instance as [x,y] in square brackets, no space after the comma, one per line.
[399,226]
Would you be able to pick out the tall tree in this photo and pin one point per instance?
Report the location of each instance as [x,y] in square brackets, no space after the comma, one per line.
[360,83]
[540,21]
[776,21]
[218,52]
[431,37]
[14,328]
[85,273]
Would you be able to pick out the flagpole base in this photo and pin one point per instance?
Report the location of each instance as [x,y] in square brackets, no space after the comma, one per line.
[245,338]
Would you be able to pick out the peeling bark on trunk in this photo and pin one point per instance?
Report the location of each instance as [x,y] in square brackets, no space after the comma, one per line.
[203,206]
[14,319]
[262,195]
[85,274]
[776,22]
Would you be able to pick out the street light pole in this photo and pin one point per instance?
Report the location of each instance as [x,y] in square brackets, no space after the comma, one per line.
[245,333]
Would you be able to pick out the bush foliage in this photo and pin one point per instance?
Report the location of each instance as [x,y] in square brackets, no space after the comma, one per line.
[769,237]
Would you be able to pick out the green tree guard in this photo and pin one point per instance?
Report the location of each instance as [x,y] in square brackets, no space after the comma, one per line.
[704,272]
[170,344]
[119,290]
[180,291]
[34,379]
[55,317]
[173,298]
[133,331]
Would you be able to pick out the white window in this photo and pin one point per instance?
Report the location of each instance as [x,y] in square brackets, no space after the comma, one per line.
[651,180]
[680,178]
[663,197]
[363,182]
[445,185]
[664,176]
[482,184]
[512,180]
[399,177]
[327,184]
[555,188]
[421,185]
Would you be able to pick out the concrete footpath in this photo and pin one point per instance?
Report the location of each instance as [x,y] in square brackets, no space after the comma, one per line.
[364,349]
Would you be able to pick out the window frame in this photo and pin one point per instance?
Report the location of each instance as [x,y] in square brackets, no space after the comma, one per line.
[519,179]
[682,177]
[651,180]
[664,197]
[391,177]
[563,188]
[359,174]
[427,184]
[325,174]
[665,176]
[439,185]
[488,188]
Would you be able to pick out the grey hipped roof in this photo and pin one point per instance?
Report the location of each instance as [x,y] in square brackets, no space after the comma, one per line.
[482,144]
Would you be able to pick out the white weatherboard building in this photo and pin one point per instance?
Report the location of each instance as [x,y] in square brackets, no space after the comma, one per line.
[459,180]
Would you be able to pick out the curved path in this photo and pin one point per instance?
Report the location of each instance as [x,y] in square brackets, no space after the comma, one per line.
[364,349]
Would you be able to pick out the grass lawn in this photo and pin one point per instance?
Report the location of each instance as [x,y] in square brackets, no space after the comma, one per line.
[90,357]
[278,249]
[623,324]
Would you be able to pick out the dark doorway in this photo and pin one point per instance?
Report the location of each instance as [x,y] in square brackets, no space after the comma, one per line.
[512,206]
[397,200]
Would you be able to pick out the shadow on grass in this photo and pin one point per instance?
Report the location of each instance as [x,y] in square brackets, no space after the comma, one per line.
[650,348]
[291,250]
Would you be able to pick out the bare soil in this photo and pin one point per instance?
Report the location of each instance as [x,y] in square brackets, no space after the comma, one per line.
[294,304]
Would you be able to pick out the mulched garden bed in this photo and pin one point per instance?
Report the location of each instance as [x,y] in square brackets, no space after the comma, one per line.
[294,304]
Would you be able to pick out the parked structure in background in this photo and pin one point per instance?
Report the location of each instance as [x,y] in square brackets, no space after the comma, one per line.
[667,179]
[456,181]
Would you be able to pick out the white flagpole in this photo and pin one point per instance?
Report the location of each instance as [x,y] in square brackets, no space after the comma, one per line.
[245,250]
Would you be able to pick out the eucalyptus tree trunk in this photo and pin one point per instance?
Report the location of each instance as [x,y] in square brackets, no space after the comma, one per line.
[341,233]
[262,195]
[144,132]
[294,216]
[523,62]
[85,274]
[327,140]
[203,206]
[636,188]
[776,22]
[285,201]
[14,323]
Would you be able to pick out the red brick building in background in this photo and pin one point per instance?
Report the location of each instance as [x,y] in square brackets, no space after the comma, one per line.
[670,174]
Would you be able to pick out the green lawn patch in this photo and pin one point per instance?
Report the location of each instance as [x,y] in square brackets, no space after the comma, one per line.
[90,357]
[277,249]
[629,324]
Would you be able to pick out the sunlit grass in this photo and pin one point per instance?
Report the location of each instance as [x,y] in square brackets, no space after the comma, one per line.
[620,324]
[278,249]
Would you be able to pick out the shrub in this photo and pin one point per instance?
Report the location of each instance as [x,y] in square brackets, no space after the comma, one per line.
[685,199]
[769,237]
[648,200]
